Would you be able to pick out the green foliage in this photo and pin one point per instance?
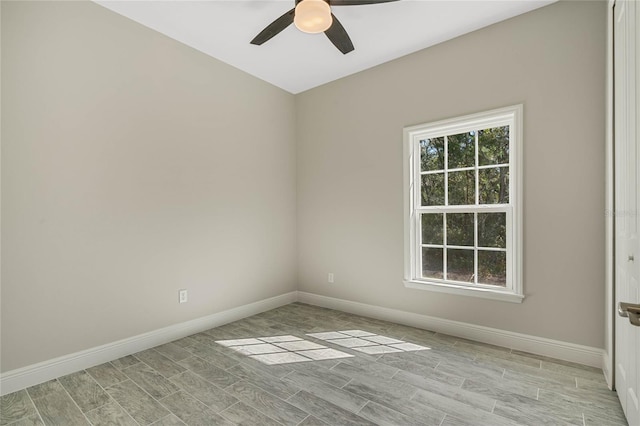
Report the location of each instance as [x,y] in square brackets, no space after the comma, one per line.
[461,150]
[493,146]
[462,188]
[432,154]
[433,189]
[432,228]
[460,229]
[493,188]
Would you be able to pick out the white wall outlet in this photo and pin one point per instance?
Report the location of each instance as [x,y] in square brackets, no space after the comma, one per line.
[330,277]
[182,296]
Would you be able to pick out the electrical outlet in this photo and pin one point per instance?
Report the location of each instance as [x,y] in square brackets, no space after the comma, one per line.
[182,296]
[330,277]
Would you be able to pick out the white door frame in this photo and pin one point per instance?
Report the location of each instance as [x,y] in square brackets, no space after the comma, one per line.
[610,310]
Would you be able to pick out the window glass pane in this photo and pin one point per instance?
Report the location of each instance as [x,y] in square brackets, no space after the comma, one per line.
[460,265]
[432,225]
[493,146]
[462,150]
[432,263]
[492,268]
[492,230]
[494,185]
[432,189]
[460,229]
[432,154]
[462,188]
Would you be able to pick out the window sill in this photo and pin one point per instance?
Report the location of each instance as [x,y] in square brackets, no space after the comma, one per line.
[484,293]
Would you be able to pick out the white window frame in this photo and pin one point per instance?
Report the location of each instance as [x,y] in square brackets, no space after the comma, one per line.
[512,116]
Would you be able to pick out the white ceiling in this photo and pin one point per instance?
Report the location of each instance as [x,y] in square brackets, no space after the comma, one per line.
[295,61]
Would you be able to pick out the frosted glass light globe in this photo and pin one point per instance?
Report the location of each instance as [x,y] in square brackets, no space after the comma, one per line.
[313,16]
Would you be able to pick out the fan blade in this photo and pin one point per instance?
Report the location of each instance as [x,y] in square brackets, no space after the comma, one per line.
[356,2]
[339,37]
[274,28]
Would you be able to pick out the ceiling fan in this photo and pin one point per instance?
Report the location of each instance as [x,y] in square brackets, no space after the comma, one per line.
[314,16]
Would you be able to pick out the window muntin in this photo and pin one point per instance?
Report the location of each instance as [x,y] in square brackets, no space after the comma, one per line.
[462,209]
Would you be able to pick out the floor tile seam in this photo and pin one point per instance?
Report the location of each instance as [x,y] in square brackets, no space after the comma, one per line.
[363,405]
[168,415]
[455,400]
[249,403]
[141,362]
[301,421]
[571,365]
[562,389]
[535,380]
[35,407]
[395,374]
[291,396]
[203,360]
[149,395]
[128,366]
[270,394]
[488,358]
[229,407]
[157,372]
[266,390]
[112,399]
[96,379]
[586,406]
[159,401]
[462,384]
[389,405]
[249,366]
[557,374]
[465,391]
[595,382]
[255,408]
[442,421]
[551,411]
[169,358]
[75,402]
[351,379]
[366,400]
[578,410]
[24,417]
[212,384]
[257,372]
[198,399]
[509,419]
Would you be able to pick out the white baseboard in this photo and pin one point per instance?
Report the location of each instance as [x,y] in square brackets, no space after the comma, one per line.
[24,377]
[30,375]
[536,345]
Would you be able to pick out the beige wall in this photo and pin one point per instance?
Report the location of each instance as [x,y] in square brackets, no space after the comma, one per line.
[350,203]
[132,166]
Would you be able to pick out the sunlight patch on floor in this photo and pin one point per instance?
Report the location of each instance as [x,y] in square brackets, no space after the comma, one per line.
[365,342]
[282,349]
[287,349]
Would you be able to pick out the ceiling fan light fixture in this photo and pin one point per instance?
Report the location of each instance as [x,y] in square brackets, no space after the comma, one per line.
[313,16]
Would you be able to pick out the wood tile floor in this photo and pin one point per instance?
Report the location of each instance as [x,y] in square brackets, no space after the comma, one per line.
[197,381]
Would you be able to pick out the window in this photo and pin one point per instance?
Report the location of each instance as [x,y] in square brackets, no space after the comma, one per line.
[463,205]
